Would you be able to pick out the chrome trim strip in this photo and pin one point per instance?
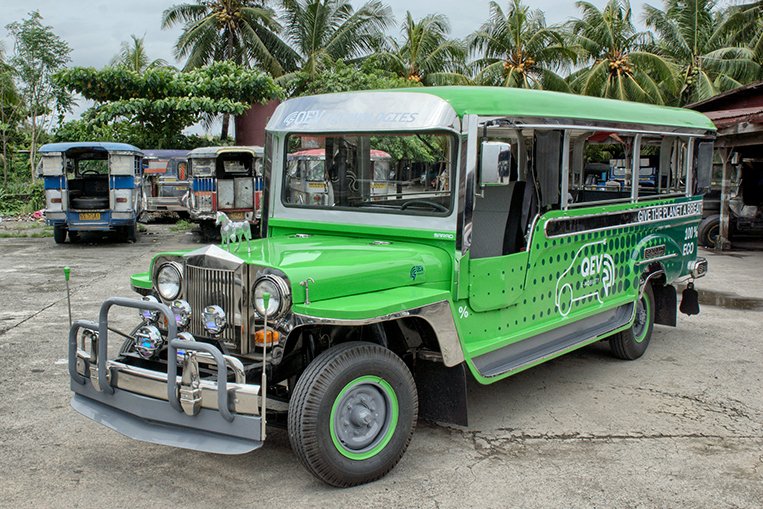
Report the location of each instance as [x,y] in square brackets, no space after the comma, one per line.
[438,315]
[531,123]
[244,397]
[657,259]
[624,211]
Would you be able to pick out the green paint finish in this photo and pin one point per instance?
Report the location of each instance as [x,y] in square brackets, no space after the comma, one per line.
[373,304]
[575,276]
[284,227]
[496,282]
[387,431]
[519,102]
[141,280]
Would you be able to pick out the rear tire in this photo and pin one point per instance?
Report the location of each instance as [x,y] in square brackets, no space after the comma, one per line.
[709,231]
[352,414]
[631,343]
[59,234]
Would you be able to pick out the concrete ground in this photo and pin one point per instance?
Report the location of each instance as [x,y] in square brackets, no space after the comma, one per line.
[681,427]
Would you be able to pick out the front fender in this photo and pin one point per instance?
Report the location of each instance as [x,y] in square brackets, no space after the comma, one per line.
[430,304]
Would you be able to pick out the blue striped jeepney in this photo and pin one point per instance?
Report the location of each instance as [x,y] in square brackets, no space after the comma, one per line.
[91,186]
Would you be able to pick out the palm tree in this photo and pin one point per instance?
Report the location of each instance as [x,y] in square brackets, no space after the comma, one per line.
[618,65]
[320,32]
[134,57]
[425,53]
[705,45]
[242,31]
[517,49]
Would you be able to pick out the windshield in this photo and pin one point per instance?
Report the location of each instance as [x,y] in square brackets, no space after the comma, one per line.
[400,173]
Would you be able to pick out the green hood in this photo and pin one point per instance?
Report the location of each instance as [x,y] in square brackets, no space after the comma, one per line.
[343,266]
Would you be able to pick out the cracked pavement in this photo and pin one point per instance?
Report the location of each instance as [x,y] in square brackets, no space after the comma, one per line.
[681,427]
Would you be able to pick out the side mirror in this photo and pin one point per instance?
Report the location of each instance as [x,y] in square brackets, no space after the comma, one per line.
[495,164]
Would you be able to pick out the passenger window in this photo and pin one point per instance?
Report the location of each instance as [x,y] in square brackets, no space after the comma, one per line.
[502,213]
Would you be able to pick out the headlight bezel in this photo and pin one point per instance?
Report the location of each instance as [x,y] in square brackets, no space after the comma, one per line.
[178,269]
[283,297]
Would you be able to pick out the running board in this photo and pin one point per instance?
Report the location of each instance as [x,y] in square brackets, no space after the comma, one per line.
[552,343]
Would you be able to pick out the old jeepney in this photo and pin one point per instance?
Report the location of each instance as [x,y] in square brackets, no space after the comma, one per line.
[225,179]
[351,318]
[308,182]
[91,186]
[165,181]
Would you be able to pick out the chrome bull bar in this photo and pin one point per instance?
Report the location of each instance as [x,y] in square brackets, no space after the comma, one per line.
[132,400]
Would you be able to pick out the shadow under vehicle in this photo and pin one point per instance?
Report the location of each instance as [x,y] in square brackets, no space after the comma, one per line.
[165,181]
[91,187]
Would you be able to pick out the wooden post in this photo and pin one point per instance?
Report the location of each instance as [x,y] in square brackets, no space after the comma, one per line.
[723,235]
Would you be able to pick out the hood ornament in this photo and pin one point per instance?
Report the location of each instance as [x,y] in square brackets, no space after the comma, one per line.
[233,231]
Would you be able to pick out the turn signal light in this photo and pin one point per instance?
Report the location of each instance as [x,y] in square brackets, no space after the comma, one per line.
[122,200]
[273,337]
[55,200]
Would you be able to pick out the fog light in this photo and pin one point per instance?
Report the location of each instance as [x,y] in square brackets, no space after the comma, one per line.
[182,312]
[184,336]
[149,315]
[214,319]
[148,340]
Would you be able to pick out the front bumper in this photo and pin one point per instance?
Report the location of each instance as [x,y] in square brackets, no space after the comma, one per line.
[164,408]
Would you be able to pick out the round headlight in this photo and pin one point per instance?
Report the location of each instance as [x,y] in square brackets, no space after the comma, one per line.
[150,315]
[182,312]
[148,340]
[168,281]
[214,319]
[279,296]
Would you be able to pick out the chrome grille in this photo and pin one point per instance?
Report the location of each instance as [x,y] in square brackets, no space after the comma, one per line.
[207,287]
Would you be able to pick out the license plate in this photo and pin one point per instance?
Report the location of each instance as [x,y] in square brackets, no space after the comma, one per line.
[236,216]
[90,216]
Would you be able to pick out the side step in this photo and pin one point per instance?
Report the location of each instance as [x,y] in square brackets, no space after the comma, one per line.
[553,342]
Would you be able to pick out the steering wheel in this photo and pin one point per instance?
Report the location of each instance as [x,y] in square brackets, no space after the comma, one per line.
[436,206]
[89,171]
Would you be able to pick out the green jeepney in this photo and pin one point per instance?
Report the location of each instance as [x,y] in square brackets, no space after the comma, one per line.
[355,315]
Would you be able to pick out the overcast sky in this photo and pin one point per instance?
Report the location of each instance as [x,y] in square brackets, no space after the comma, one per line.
[95,29]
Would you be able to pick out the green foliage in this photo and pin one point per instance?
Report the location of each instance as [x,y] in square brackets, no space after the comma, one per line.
[38,54]
[134,57]
[517,49]
[707,46]
[620,66]
[419,148]
[161,102]
[425,54]
[341,77]
[134,134]
[324,31]
[182,226]
[20,198]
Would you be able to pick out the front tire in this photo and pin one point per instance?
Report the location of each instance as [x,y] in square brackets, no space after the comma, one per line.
[631,343]
[352,414]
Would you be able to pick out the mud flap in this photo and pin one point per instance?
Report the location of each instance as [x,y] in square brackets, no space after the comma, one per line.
[665,304]
[690,301]
[442,392]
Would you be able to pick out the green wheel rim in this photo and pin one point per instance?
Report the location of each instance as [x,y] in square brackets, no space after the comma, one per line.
[351,405]
[641,321]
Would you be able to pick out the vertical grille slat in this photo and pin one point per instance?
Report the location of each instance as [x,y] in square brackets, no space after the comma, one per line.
[206,287]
